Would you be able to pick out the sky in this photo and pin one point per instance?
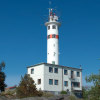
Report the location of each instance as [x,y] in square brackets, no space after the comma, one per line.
[23,35]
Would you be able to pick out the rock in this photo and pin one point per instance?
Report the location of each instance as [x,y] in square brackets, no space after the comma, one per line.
[3,98]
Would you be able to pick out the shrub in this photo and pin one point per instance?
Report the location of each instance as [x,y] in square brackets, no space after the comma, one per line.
[9,94]
[63,92]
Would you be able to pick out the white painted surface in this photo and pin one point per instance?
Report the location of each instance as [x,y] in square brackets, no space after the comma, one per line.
[54,76]
[42,72]
[52,43]
[38,74]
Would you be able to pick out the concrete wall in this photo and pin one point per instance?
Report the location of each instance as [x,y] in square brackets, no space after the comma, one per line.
[53,76]
[38,74]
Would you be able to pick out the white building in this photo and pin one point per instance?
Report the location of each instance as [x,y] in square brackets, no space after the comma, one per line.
[55,78]
[51,76]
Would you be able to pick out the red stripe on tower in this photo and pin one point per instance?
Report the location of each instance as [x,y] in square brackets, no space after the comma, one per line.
[57,36]
[50,35]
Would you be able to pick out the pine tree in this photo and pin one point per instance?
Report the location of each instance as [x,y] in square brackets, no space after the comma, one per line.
[27,87]
[2,77]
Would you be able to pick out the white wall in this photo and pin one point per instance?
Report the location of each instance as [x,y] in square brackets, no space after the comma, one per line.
[38,74]
[42,72]
[53,76]
[50,45]
[76,79]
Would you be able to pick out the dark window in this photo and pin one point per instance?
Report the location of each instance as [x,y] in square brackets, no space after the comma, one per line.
[39,81]
[32,71]
[78,74]
[48,36]
[56,82]
[56,70]
[65,83]
[53,36]
[48,27]
[75,84]
[72,74]
[53,62]
[65,72]
[54,27]
[51,69]
[50,81]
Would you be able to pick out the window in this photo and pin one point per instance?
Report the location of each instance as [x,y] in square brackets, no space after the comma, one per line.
[50,81]
[32,71]
[39,81]
[51,69]
[54,27]
[56,70]
[65,72]
[48,27]
[75,84]
[65,83]
[53,62]
[72,74]
[48,36]
[78,74]
[56,82]
[53,36]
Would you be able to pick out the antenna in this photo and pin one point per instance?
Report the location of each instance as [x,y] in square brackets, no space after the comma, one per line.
[80,66]
[49,7]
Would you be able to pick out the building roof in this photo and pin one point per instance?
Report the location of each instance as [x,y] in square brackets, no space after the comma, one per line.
[54,65]
[13,87]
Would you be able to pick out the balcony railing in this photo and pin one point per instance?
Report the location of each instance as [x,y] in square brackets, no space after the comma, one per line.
[73,78]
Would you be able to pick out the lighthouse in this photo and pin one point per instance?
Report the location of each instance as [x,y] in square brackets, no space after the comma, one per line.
[50,76]
[52,38]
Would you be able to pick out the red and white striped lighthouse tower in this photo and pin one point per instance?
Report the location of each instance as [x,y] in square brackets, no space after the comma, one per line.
[52,38]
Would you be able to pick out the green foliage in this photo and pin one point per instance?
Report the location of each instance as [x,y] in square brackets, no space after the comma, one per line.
[94,92]
[2,66]
[2,77]
[63,92]
[85,93]
[27,88]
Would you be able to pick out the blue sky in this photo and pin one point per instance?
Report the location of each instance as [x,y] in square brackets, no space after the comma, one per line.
[23,35]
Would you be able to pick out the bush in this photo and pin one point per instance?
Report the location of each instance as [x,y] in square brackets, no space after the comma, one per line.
[9,94]
[63,92]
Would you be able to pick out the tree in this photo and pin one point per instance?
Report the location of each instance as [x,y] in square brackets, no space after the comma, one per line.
[2,77]
[27,87]
[94,92]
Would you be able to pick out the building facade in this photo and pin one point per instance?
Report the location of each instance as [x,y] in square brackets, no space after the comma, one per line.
[56,78]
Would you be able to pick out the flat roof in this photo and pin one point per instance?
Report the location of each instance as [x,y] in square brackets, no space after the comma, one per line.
[53,65]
